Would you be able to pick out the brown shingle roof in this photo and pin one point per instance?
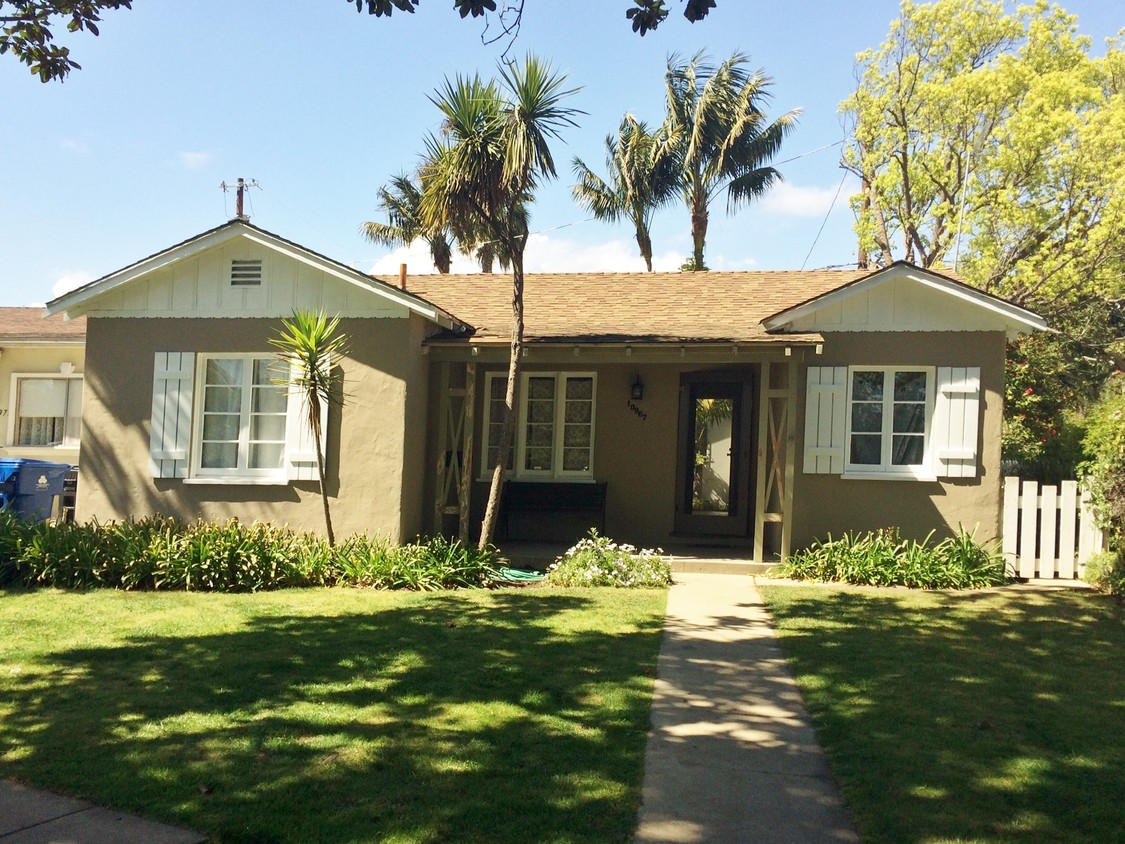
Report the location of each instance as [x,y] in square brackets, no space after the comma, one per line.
[27,325]
[630,307]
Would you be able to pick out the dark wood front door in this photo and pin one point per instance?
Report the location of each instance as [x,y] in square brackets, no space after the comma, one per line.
[713,464]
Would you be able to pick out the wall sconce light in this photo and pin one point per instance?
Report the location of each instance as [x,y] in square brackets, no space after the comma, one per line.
[637,388]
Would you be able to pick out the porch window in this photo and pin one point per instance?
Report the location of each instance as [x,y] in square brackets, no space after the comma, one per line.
[48,410]
[887,420]
[241,425]
[555,427]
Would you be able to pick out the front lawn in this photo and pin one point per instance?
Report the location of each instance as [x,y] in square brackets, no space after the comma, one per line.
[992,716]
[335,714]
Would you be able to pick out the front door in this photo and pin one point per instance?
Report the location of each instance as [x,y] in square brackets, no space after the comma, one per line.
[713,475]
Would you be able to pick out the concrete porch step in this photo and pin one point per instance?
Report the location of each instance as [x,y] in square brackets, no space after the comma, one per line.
[697,565]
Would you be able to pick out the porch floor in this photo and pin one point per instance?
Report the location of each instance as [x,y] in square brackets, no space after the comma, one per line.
[684,558]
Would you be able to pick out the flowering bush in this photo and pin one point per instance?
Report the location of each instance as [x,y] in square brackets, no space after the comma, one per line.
[599,561]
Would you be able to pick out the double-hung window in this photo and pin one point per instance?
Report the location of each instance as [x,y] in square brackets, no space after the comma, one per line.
[242,416]
[47,410]
[888,411]
[555,427]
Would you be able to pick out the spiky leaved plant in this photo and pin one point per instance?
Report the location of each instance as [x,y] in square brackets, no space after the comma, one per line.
[310,344]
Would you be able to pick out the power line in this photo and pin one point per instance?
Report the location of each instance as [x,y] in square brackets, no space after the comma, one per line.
[824,222]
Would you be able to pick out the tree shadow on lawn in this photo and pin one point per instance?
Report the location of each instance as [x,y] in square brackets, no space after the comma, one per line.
[443,719]
[984,716]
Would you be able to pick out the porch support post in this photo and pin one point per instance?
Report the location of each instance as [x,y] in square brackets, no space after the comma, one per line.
[441,487]
[791,396]
[760,503]
[465,490]
[777,451]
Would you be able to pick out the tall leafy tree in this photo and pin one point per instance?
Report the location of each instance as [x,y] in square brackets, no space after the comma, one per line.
[484,166]
[402,200]
[992,141]
[641,178]
[309,344]
[27,31]
[723,139]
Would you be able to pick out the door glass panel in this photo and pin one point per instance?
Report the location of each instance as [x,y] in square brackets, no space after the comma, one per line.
[713,450]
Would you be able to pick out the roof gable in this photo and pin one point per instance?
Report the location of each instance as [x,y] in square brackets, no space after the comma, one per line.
[193,278]
[903,297]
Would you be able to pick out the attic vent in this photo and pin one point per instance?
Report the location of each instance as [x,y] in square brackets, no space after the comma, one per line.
[245,273]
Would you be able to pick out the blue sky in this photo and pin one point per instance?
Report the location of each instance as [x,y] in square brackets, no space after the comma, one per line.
[321,108]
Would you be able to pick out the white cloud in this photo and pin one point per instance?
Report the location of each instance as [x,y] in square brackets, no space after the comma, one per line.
[804,201]
[195,160]
[70,281]
[74,145]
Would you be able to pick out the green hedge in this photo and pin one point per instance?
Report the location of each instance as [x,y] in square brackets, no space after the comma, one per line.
[883,558]
[163,553]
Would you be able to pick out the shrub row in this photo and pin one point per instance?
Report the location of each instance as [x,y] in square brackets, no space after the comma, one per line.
[162,553]
[883,558]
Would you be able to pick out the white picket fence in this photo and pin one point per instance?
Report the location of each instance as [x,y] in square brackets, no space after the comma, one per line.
[1049,532]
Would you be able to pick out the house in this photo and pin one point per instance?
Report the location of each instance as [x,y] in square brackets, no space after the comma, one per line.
[41,366]
[759,410]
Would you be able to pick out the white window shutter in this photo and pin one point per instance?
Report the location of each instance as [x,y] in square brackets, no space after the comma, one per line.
[173,378]
[956,419]
[300,442]
[826,397]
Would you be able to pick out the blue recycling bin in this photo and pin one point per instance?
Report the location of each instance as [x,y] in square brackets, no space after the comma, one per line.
[29,487]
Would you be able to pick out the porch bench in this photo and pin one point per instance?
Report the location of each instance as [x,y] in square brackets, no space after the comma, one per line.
[553,498]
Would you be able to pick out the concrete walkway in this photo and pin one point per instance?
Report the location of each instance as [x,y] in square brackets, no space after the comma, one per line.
[28,816]
[732,755]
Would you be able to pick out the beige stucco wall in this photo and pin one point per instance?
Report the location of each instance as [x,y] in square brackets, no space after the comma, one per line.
[635,453]
[46,359]
[375,446]
[829,504]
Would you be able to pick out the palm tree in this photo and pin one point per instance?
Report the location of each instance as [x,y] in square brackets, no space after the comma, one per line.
[481,172]
[722,137]
[401,200]
[641,178]
[310,347]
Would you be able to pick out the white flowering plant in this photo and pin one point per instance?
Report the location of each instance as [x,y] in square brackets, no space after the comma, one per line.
[599,561]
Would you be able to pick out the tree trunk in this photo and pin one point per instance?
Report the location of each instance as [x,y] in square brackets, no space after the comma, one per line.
[698,231]
[314,413]
[644,242]
[492,509]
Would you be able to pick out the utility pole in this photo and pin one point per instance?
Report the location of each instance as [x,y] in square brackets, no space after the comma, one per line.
[240,191]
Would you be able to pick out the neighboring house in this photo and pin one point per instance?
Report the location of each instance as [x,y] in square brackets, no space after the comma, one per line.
[756,409]
[41,366]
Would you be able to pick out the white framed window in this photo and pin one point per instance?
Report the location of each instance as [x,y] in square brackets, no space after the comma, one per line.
[46,410]
[240,423]
[889,413]
[892,422]
[555,427]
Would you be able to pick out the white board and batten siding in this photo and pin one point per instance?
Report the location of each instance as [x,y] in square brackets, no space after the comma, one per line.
[199,285]
[1049,531]
[955,422]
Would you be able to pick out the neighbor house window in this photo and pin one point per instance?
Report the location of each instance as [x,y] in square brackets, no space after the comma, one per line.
[240,429]
[48,410]
[555,428]
[888,412]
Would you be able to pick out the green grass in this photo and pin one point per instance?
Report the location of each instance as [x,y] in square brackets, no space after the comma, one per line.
[337,715]
[995,716]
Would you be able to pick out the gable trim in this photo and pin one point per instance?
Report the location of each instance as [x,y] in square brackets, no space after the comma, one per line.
[1022,318]
[73,303]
